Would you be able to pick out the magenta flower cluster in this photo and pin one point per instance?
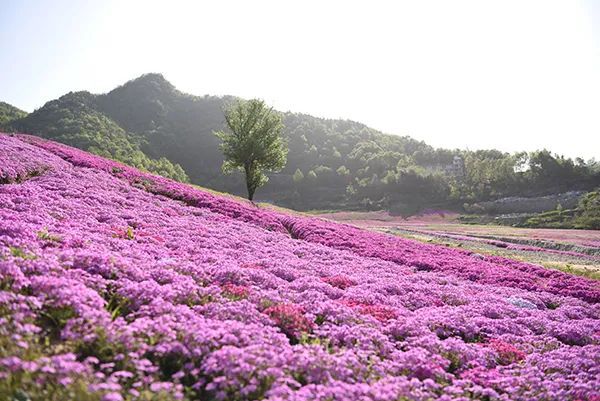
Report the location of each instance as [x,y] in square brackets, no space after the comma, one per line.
[131,287]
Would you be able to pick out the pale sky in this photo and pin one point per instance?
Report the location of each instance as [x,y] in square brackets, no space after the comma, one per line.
[512,75]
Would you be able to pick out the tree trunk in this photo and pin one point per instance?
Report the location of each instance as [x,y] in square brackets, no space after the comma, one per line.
[249,184]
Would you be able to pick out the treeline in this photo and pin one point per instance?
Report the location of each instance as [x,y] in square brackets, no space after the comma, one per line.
[331,163]
[405,179]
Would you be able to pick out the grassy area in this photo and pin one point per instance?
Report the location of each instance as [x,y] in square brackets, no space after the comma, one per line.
[219,193]
[262,205]
[316,212]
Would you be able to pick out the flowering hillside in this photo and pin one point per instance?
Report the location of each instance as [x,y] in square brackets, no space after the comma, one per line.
[119,285]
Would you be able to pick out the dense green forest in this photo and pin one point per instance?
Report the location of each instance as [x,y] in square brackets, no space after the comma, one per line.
[9,113]
[332,164]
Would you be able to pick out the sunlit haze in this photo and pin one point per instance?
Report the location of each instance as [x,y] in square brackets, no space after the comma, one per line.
[512,75]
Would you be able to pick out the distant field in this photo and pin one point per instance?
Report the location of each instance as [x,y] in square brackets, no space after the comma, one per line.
[573,251]
[447,222]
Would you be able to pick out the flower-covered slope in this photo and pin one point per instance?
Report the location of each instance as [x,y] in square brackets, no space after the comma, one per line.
[492,270]
[468,265]
[119,285]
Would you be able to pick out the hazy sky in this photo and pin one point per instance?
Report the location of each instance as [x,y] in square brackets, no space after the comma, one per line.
[513,75]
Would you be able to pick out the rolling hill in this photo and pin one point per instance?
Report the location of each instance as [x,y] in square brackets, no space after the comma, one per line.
[150,116]
[116,284]
[147,123]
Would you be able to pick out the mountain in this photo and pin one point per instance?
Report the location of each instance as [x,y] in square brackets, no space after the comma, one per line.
[332,163]
[109,292]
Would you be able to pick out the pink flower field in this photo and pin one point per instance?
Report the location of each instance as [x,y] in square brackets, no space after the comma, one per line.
[116,285]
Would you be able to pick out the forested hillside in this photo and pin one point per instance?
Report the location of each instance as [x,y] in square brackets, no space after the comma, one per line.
[9,113]
[75,120]
[149,124]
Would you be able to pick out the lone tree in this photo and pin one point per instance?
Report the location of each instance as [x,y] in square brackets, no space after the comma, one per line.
[254,143]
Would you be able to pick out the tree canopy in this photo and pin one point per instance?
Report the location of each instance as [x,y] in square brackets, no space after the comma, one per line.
[253,142]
